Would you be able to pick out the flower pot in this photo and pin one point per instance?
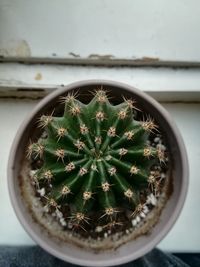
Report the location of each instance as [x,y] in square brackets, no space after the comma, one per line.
[28,209]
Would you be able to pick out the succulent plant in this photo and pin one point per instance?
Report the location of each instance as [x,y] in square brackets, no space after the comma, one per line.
[96,158]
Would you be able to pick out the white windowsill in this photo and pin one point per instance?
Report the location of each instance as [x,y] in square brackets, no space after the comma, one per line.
[36,80]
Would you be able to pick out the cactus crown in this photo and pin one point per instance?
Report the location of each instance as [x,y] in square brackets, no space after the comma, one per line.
[96,161]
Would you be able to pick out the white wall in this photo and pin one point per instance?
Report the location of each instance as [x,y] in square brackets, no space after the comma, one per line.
[101,30]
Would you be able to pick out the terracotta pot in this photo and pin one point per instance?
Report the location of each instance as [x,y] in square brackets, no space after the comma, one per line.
[132,249]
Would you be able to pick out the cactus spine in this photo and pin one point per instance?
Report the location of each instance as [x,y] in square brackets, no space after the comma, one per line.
[96,159]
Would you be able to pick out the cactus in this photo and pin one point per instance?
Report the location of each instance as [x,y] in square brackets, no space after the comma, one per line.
[96,159]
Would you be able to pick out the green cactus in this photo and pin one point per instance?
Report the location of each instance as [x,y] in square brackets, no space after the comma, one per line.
[95,159]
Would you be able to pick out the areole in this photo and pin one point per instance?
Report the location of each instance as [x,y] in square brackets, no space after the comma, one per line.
[129,250]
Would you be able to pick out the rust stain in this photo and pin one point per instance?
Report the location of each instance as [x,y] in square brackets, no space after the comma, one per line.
[100,57]
[38,76]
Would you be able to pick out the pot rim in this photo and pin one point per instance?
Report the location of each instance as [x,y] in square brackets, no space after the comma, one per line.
[176,211]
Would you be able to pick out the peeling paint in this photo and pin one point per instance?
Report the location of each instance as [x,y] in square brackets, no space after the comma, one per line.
[23,49]
[100,60]
[147,59]
[100,57]
[74,54]
[15,48]
[38,76]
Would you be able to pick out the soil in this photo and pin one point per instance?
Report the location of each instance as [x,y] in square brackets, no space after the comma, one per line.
[110,240]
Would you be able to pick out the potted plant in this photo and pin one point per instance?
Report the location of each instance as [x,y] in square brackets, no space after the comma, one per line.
[98,173]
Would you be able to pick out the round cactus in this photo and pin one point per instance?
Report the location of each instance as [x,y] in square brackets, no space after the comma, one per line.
[96,159]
